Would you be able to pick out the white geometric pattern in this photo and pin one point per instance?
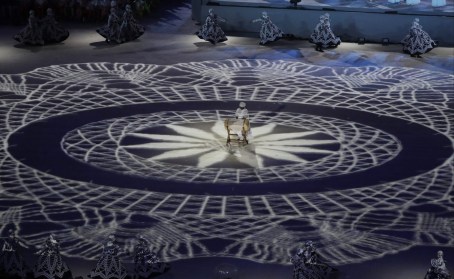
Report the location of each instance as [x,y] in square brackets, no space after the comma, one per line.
[351,225]
[362,147]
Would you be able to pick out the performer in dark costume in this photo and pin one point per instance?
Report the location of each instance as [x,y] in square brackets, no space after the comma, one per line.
[11,261]
[51,30]
[146,263]
[417,41]
[31,34]
[111,31]
[211,31]
[438,269]
[109,265]
[323,36]
[50,264]
[130,29]
[269,32]
[307,264]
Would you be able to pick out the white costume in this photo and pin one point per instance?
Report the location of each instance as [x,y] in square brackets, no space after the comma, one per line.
[240,114]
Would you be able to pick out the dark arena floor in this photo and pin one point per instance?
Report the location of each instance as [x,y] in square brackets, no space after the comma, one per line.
[351,148]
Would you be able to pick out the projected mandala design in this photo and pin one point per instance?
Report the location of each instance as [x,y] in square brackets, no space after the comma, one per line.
[316,147]
[130,121]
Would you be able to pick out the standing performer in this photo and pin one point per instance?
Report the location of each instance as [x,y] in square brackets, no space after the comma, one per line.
[109,265]
[269,32]
[130,29]
[241,113]
[11,261]
[50,264]
[52,31]
[146,263]
[323,36]
[211,31]
[111,31]
[438,269]
[31,34]
[417,41]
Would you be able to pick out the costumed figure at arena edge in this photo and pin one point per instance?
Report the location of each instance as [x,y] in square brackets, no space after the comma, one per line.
[269,32]
[438,269]
[11,262]
[417,41]
[147,263]
[111,31]
[130,29]
[211,31]
[52,31]
[307,263]
[323,36]
[109,265]
[31,34]
[50,264]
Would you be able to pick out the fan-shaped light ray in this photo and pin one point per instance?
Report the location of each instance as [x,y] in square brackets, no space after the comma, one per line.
[248,158]
[191,132]
[166,137]
[219,129]
[212,158]
[279,155]
[285,136]
[300,142]
[262,130]
[296,149]
[179,153]
[260,160]
[165,145]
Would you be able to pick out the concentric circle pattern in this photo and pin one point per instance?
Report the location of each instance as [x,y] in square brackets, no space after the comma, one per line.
[80,154]
[362,147]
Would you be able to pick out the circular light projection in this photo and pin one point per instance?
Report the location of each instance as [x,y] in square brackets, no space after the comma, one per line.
[290,146]
[69,158]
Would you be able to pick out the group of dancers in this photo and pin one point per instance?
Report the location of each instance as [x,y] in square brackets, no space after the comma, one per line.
[50,264]
[42,31]
[124,28]
[415,43]
[120,28]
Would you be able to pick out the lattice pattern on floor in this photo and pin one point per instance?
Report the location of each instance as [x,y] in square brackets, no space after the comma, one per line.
[343,222]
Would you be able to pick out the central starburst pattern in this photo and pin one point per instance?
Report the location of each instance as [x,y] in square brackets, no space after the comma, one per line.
[271,145]
[191,146]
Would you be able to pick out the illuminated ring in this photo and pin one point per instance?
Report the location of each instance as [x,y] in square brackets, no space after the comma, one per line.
[47,138]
